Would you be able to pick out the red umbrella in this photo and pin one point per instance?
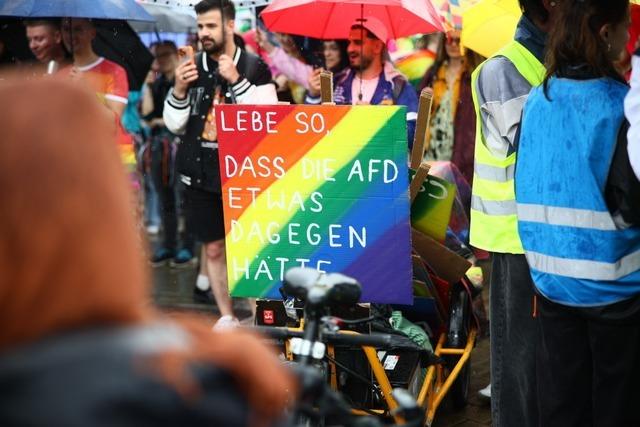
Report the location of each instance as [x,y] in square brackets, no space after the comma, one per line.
[332,19]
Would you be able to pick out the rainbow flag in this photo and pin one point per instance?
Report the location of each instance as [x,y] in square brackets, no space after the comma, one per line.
[415,65]
[317,186]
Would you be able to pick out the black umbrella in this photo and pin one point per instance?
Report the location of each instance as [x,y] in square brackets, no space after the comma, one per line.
[115,40]
[13,36]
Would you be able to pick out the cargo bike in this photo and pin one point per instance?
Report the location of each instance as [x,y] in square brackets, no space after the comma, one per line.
[323,327]
[319,325]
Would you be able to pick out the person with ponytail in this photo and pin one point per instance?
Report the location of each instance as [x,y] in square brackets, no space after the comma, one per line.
[574,186]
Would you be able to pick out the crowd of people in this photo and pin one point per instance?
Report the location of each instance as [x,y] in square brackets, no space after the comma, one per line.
[546,132]
[264,68]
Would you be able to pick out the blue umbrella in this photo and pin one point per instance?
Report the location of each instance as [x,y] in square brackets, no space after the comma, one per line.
[115,40]
[103,9]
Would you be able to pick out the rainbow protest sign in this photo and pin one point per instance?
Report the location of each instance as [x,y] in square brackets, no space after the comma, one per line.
[318,186]
[431,210]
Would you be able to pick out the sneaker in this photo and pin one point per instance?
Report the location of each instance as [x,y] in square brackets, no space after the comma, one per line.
[183,258]
[161,256]
[485,393]
[225,323]
[203,297]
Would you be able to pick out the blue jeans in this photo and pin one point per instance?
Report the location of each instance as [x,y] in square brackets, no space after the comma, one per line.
[151,208]
[514,334]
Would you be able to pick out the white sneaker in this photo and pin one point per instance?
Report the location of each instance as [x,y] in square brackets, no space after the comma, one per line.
[153,229]
[225,323]
[485,393]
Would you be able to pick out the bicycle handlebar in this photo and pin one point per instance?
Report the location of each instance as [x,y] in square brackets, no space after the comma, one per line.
[369,340]
[319,289]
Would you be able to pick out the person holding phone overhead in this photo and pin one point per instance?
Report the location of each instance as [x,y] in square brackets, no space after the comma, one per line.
[223,73]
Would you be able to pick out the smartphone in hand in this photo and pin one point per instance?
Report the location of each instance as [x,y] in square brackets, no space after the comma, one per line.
[185,54]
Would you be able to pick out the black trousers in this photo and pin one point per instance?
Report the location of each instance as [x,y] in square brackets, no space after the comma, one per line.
[589,365]
[513,343]
[167,186]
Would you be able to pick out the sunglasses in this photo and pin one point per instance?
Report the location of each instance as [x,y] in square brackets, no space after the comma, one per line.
[453,40]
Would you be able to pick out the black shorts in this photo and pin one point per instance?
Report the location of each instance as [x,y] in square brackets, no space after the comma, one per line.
[203,211]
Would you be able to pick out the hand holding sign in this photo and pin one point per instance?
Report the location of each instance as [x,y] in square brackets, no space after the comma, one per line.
[314,82]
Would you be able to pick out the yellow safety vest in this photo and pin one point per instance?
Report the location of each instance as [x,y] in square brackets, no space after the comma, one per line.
[494,224]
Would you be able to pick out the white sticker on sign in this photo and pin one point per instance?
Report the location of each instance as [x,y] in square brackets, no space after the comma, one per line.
[390,362]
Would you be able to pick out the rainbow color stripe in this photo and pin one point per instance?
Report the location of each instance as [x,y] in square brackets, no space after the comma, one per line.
[415,65]
[431,210]
[452,11]
[284,206]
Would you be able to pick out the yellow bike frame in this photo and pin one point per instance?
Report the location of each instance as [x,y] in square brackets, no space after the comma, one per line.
[435,386]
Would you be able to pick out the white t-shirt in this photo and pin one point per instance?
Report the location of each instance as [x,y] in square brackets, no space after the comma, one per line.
[367,90]
[632,111]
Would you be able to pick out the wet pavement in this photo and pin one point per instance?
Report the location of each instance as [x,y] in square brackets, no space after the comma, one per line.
[173,291]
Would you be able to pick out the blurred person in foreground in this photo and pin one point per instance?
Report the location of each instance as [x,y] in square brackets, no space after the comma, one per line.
[500,87]
[578,215]
[221,74]
[81,344]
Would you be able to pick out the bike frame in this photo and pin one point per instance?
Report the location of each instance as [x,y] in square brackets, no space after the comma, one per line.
[434,388]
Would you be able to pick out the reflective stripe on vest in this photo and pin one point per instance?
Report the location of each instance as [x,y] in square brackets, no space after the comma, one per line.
[578,218]
[494,173]
[493,208]
[568,217]
[576,254]
[584,269]
[576,268]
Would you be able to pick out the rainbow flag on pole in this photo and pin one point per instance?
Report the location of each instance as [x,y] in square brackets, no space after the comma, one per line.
[318,186]
[415,65]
